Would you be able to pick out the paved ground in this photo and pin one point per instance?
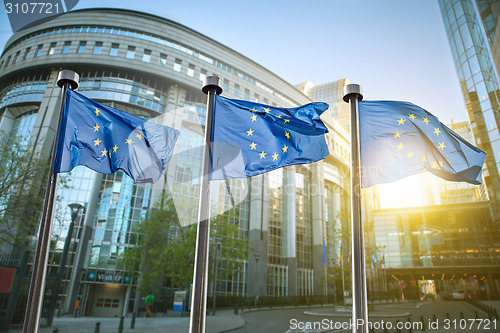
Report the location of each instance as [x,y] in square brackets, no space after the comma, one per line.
[448,318]
[224,320]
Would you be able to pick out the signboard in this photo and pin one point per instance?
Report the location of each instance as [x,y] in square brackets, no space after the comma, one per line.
[108,277]
[6,279]
[179,300]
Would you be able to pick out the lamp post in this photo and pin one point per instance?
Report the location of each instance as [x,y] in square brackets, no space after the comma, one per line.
[256,277]
[214,288]
[75,209]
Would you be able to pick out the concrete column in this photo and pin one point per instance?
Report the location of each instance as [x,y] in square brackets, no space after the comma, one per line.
[318,228]
[289,228]
[81,253]
[257,269]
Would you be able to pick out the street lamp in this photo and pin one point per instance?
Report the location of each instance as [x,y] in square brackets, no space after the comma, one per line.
[75,209]
[256,277]
[214,288]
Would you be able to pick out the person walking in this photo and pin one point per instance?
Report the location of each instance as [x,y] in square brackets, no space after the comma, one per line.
[150,298]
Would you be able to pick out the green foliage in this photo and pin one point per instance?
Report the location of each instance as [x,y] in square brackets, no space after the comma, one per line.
[22,175]
[165,251]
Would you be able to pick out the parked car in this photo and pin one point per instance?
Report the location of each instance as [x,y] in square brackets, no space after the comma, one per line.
[458,294]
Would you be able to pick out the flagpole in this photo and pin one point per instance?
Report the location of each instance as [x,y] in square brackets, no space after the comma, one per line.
[66,79]
[211,86]
[352,94]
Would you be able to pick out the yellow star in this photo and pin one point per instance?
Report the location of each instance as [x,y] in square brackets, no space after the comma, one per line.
[397,135]
[96,128]
[262,155]
[441,164]
[253,145]
[401,121]
[278,116]
[115,148]
[287,135]
[129,141]
[139,135]
[400,146]
[426,120]
[97,112]
[424,159]
[434,165]
[97,142]
[253,110]
[285,147]
[275,156]
[441,145]
[250,132]
[104,152]
[436,130]
[110,154]
[254,118]
[410,154]
[287,121]
[267,110]
[412,116]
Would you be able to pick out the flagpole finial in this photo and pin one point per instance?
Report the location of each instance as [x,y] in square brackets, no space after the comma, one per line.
[352,89]
[70,77]
[212,82]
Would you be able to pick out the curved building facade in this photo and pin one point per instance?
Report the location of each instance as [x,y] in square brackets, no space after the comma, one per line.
[153,67]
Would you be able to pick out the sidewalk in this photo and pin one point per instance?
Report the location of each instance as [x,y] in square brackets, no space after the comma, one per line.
[224,320]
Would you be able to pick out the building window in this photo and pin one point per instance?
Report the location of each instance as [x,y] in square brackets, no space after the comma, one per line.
[130,52]
[146,57]
[7,62]
[190,70]
[246,97]
[97,47]
[39,50]
[15,57]
[81,47]
[66,47]
[236,89]
[52,48]
[114,50]
[203,74]
[256,98]
[177,65]
[27,53]
[163,60]
[225,85]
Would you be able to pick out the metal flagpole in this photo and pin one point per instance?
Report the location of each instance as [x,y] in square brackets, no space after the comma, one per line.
[211,86]
[352,94]
[65,79]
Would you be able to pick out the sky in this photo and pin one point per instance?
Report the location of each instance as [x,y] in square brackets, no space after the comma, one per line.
[395,49]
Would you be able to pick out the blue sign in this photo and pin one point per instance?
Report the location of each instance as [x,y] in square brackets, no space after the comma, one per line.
[126,278]
[91,276]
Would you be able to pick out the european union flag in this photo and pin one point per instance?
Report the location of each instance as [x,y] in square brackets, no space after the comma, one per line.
[251,138]
[106,140]
[398,139]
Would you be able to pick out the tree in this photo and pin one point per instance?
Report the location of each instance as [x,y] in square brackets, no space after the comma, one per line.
[165,250]
[22,172]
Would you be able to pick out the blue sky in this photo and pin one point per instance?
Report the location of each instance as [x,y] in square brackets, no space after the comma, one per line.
[396,49]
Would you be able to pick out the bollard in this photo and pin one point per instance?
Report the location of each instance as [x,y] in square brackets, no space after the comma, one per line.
[410,330]
[462,315]
[496,314]
[447,315]
[132,322]
[423,323]
[97,327]
[475,314]
[120,326]
[55,330]
[236,308]
[434,319]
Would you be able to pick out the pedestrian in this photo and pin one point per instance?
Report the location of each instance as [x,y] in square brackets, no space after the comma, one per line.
[149,304]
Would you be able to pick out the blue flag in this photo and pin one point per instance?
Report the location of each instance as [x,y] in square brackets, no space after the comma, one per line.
[107,140]
[251,138]
[398,139]
[323,257]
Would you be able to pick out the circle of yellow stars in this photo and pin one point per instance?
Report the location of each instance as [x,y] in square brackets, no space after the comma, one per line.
[97,142]
[410,154]
[253,145]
